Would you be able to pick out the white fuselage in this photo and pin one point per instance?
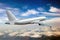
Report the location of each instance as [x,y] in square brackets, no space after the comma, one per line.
[14,20]
[26,21]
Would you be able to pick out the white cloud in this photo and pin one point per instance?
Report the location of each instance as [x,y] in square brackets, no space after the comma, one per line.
[29,12]
[53,9]
[52,22]
[2,10]
[15,11]
[51,14]
[3,19]
[41,10]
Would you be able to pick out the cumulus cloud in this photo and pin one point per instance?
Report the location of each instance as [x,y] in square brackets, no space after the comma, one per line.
[32,11]
[53,12]
[53,9]
[29,12]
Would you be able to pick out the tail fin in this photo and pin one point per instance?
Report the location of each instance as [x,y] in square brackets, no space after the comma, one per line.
[10,16]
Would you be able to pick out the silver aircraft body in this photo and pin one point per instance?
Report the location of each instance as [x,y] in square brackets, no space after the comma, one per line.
[37,20]
[15,21]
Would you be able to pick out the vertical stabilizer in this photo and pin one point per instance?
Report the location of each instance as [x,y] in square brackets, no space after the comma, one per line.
[10,16]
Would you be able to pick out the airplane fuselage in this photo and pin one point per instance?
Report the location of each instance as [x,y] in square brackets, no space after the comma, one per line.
[25,21]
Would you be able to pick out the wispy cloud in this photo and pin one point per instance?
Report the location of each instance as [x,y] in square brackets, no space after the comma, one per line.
[53,12]
[50,14]
[40,9]
[1,10]
[29,12]
[14,11]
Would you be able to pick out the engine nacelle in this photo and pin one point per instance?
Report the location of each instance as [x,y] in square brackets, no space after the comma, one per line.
[39,24]
[7,23]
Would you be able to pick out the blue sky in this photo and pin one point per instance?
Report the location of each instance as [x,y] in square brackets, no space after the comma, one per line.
[30,8]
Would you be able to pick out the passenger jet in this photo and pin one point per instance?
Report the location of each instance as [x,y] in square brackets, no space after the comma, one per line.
[13,20]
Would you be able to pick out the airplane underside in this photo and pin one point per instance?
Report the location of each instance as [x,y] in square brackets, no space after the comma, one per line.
[19,23]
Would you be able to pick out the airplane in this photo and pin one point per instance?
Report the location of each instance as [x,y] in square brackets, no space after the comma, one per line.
[41,21]
[14,21]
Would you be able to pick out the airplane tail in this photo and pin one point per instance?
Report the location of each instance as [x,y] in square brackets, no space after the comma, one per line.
[10,16]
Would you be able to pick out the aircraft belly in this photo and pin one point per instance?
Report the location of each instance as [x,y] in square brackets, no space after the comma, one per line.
[23,23]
